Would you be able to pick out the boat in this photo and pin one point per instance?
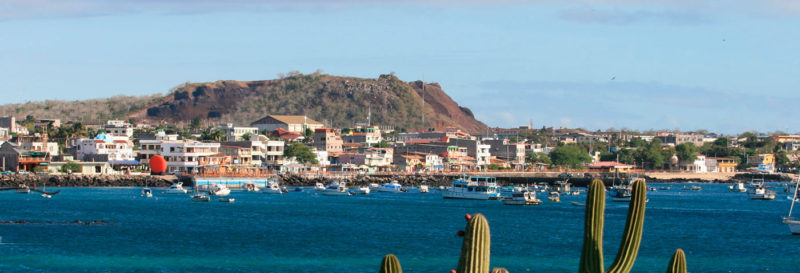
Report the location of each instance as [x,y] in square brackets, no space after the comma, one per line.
[760,192]
[22,188]
[374,186]
[250,187]
[423,189]
[336,188]
[319,187]
[218,190]
[738,187]
[578,204]
[554,197]
[363,190]
[522,198]
[226,200]
[473,187]
[664,188]
[272,188]
[393,186]
[692,188]
[198,196]
[176,188]
[794,224]
[147,192]
[620,193]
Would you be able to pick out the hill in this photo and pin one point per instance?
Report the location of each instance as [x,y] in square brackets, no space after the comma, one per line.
[337,101]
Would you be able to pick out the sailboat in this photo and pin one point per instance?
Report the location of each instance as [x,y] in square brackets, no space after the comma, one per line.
[197,196]
[794,224]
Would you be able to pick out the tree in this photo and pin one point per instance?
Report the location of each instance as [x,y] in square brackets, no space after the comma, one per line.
[570,155]
[308,134]
[195,124]
[215,135]
[721,142]
[382,144]
[301,152]
[246,136]
[686,151]
[71,167]
[637,143]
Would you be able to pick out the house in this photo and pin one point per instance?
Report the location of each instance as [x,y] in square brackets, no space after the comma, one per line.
[610,167]
[286,135]
[9,123]
[115,151]
[38,143]
[182,155]
[86,167]
[4,135]
[721,164]
[265,152]
[698,165]
[119,128]
[235,133]
[367,135]
[513,153]
[238,155]
[297,124]
[15,158]
[581,138]
[327,139]
[150,145]
[407,162]
[781,139]
[791,145]
[764,162]
[380,157]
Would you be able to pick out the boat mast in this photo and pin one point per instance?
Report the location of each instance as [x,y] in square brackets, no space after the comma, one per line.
[794,198]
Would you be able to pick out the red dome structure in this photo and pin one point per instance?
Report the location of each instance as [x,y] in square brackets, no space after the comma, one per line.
[158,165]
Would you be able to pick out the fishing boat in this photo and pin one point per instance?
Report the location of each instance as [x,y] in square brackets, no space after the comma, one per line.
[554,197]
[250,187]
[147,192]
[218,190]
[738,187]
[336,188]
[473,187]
[272,188]
[363,190]
[760,192]
[319,187]
[522,198]
[393,186]
[176,188]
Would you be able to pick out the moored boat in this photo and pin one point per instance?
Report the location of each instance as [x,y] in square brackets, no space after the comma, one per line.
[473,187]
[522,198]
[423,189]
[22,188]
[393,186]
[176,188]
[272,188]
[794,224]
[319,187]
[336,188]
[218,190]
[738,187]
[760,192]
[250,187]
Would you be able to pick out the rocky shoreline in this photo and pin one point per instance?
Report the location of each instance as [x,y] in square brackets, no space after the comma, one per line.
[294,180]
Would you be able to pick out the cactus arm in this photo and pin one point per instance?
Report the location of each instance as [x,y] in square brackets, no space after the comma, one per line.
[390,264]
[592,253]
[475,250]
[632,236]
[678,262]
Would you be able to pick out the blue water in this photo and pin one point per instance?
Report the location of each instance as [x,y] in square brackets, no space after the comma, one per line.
[304,232]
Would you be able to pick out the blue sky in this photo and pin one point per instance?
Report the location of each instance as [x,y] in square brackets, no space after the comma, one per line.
[726,66]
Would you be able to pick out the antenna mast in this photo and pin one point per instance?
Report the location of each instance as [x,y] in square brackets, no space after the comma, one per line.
[423,101]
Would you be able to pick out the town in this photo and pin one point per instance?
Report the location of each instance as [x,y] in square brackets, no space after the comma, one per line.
[280,144]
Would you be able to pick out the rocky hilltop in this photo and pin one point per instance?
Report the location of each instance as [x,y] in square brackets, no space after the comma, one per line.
[334,100]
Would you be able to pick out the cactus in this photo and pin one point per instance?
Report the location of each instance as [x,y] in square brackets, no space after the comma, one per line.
[678,262]
[390,264]
[592,253]
[476,247]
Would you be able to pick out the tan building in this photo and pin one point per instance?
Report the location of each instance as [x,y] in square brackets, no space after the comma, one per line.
[327,139]
[297,124]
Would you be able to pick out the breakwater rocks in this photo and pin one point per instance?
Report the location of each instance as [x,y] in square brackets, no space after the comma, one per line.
[77,180]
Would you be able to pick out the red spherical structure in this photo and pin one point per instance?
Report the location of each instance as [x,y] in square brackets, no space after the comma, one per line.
[467,216]
[158,164]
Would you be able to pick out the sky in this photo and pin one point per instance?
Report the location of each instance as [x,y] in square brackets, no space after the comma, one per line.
[726,66]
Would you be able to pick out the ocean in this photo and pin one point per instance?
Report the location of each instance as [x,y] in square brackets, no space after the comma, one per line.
[720,231]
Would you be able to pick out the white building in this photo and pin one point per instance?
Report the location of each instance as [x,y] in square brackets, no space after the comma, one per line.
[235,133]
[379,156]
[699,165]
[119,128]
[150,146]
[484,155]
[322,157]
[186,156]
[115,150]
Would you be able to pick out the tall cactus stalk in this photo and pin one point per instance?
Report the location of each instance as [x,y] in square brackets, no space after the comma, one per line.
[390,264]
[592,253]
[678,262]
[475,251]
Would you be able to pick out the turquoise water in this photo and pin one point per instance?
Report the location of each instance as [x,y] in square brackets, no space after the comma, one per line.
[304,232]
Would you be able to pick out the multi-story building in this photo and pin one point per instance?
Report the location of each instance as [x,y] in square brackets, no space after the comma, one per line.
[379,157]
[119,128]
[235,133]
[4,135]
[150,145]
[238,155]
[721,164]
[105,148]
[265,152]
[297,124]
[327,139]
[38,143]
[502,149]
[9,123]
[791,145]
[698,165]
[16,158]
[362,134]
[188,156]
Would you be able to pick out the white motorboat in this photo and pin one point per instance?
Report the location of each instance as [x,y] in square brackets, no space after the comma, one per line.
[522,198]
[760,192]
[374,186]
[794,224]
[226,200]
[738,187]
[423,189]
[176,188]
[199,197]
[393,186]
[250,187]
[336,188]
[319,187]
[218,190]
[473,187]
[272,188]
[363,190]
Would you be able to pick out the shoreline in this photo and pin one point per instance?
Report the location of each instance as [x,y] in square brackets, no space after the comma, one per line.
[300,180]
